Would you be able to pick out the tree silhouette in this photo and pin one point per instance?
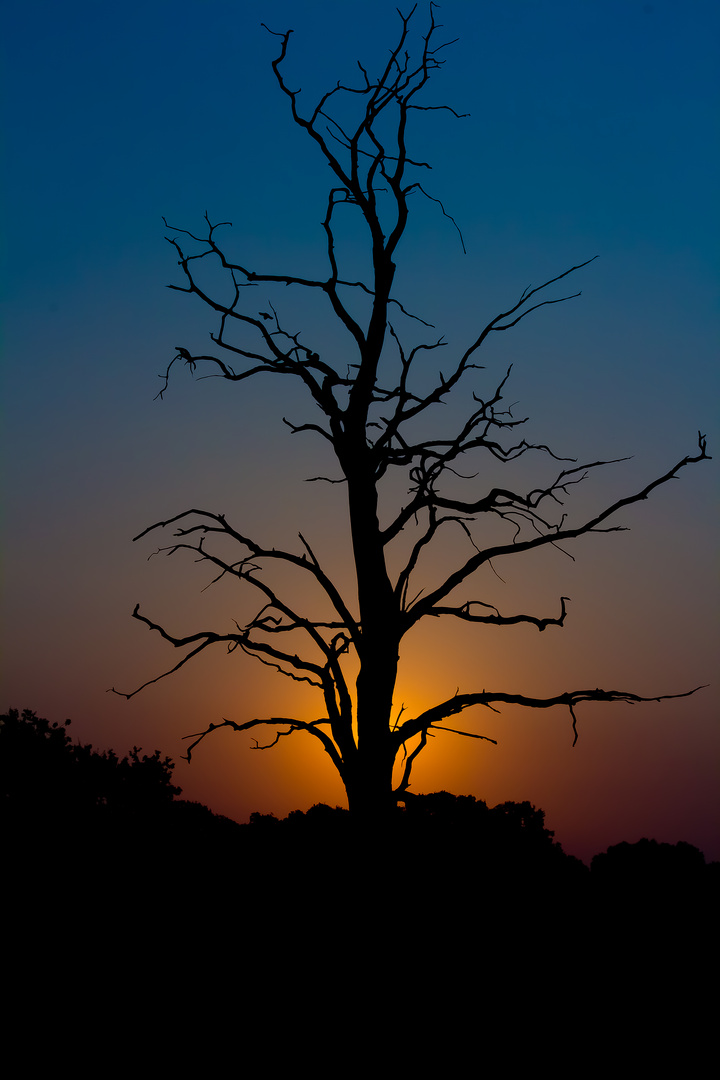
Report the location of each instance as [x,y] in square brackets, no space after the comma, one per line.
[46,777]
[379,418]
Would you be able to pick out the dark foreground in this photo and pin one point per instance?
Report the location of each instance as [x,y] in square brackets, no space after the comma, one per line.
[454,925]
[71,814]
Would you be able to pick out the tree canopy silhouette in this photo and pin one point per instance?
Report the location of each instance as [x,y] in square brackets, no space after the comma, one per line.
[46,777]
[378,414]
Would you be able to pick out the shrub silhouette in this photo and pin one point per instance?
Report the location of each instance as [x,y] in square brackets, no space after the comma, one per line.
[47,780]
[648,863]
[64,804]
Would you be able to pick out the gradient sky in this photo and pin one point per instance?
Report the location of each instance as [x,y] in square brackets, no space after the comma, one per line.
[592,131]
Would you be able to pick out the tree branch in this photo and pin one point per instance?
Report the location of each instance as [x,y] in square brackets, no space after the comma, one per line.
[570,700]
[312,728]
[558,535]
[311,566]
[466,614]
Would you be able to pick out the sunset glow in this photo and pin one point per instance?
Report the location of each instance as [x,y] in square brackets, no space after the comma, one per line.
[587,136]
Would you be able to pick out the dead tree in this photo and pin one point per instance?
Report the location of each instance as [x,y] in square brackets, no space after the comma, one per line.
[372,411]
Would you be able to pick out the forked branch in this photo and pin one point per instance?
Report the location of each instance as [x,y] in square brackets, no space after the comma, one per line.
[570,700]
[426,604]
[311,727]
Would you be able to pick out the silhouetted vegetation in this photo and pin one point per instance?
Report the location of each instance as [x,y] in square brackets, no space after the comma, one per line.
[66,807]
[46,777]
[113,883]
[648,864]
[110,839]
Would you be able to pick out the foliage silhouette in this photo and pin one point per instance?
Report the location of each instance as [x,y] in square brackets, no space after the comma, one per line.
[463,899]
[47,779]
[649,864]
[99,826]
[90,818]
[377,411]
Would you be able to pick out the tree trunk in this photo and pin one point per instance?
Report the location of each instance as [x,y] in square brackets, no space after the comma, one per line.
[370,790]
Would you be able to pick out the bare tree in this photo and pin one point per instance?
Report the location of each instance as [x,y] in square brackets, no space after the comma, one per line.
[372,413]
